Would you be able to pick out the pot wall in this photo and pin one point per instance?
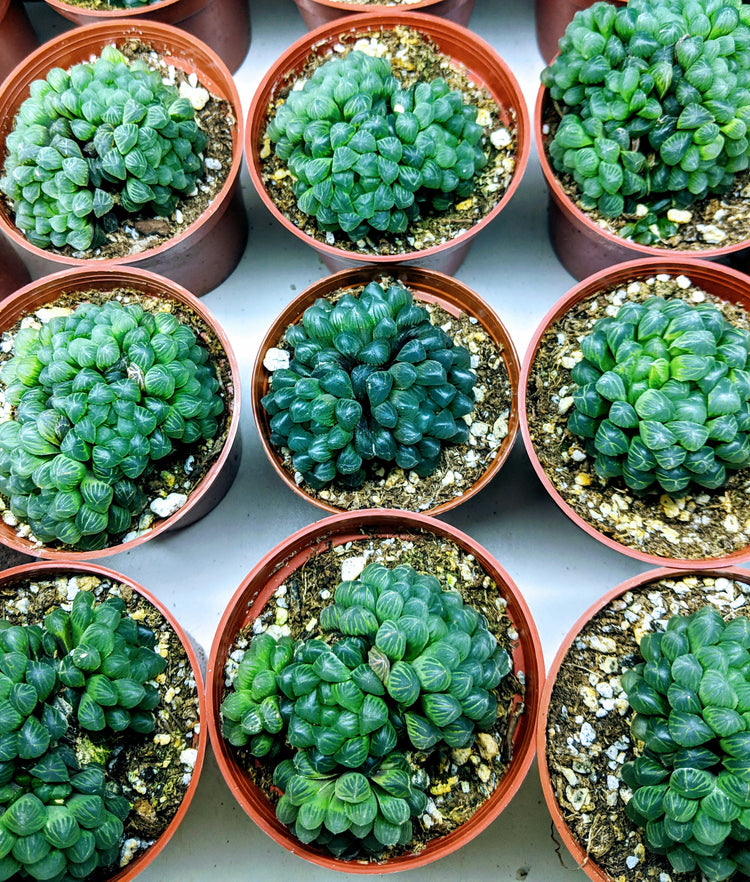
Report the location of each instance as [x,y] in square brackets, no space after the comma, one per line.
[318,12]
[248,603]
[203,255]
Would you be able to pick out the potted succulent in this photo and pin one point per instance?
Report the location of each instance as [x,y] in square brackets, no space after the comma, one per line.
[319,12]
[419,167]
[120,412]
[663,477]
[91,711]
[642,153]
[384,742]
[17,37]
[551,17]
[224,25]
[642,741]
[420,410]
[127,171]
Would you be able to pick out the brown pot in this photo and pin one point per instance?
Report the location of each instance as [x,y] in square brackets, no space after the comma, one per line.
[17,37]
[13,273]
[427,286]
[581,245]
[723,282]
[552,17]
[204,254]
[483,65]
[46,569]
[582,857]
[319,12]
[218,479]
[247,604]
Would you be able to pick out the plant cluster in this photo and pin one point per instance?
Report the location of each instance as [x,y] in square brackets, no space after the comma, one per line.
[99,395]
[691,788]
[87,670]
[404,666]
[662,396]
[369,155]
[370,381]
[105,138]
[655,106]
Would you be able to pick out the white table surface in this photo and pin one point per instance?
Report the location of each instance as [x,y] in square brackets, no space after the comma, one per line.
[558,568]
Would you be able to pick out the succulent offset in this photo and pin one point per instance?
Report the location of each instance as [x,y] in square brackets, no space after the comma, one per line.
[691,790]
[101,141]
[404,666]
[87,670]
[654,100]
[98,397]
[368,155]
[370,381]
[663,396]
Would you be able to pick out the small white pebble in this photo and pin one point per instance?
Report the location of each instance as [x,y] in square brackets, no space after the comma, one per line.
[587,735]
[275,359]
[352,567]
[196,95]
[163,508]
[500,138]
[631,861]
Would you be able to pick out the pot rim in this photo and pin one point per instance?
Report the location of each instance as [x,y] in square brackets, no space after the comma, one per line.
[701,272]
[136,866]
[478,53]
[268,573]
[439,289]
[186,52]
[377,8]
[108,14]
[585,863]
[570,209]
[143,281]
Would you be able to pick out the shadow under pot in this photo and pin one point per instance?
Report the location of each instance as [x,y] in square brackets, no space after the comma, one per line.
[319,12]
[613,745]
[126,430]
[17,37]
[292,595]
[152,182]
[362,194]
[123,704]
[387,389]
[638,432]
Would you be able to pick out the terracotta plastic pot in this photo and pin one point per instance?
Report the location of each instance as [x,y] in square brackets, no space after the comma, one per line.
[319,12]
[552,17]
[723,282]
[219,477]
[13,272]
[247,604]
[583,859]
[482,64]
[224,25]
[427,286]
[581,245]
[47,569]
[204,254]
[17,37]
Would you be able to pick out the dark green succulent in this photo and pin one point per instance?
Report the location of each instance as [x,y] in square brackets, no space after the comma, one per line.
[654,100]
[87,670]
[368,155]
[663,396]
[691,785]
[99,396]
[103,140]
[370,381]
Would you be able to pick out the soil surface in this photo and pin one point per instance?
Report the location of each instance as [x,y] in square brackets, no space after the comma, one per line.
[153,771]
[588,727]
[460,781]
[701,524]
[414,58]
[461,465]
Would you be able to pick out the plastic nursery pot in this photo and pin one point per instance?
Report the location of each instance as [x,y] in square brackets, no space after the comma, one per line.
[586,859]
[211,489]
[224,25]
[581,245]
[551,18]
[17,37]
[482,64]
[248,603]
[723,282]
[427,286]
[69,568]
[320,12]
[205,253]
[13,272]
